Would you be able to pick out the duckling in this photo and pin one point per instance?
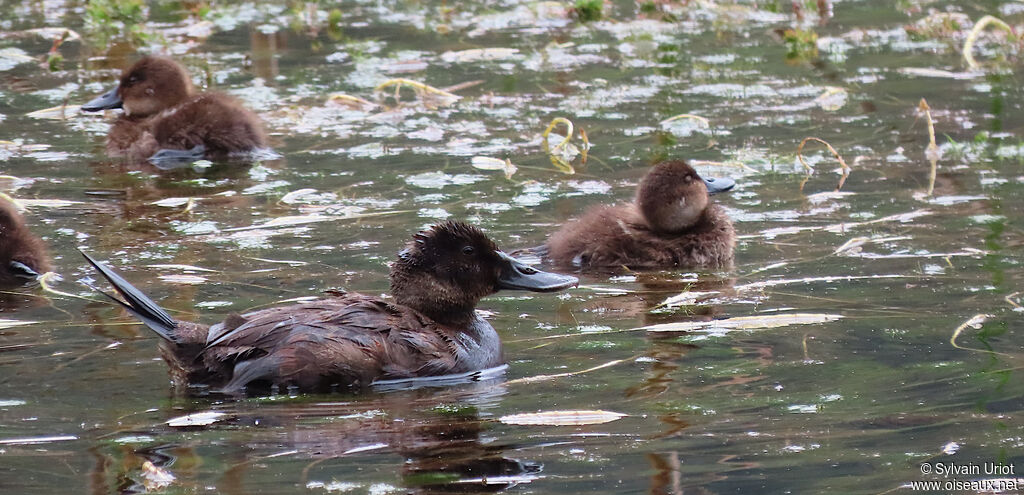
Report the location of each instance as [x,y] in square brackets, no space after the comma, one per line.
[350,341]
[671,223]
[167,122]
[23,255]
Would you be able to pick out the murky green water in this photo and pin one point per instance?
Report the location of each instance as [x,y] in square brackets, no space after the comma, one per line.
[853,402]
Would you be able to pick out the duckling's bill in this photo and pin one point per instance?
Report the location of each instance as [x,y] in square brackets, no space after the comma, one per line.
[106,101]
[516,275]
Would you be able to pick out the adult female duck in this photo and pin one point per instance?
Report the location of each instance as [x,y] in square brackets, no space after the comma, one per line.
[167,122]
[672,223]
[429,329]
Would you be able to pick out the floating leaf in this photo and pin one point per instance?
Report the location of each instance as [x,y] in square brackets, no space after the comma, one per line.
[745,322]
[52,33]
[196,419]
[5,323]
[832,99]
[187,268]
[156,477]
[48,203]
[852,245]
[172,202]
[479,55]
[37,440]
[184,279]
[60,112]
[488,163]
[928,72]
[11,57]
[562,418]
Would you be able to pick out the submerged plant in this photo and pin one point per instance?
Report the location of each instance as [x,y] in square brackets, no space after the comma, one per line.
[801,45]
[589,10]
[115,18]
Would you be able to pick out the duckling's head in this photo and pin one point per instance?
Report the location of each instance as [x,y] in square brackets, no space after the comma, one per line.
[23,256]
[672,197]
[445,270]
[151,86]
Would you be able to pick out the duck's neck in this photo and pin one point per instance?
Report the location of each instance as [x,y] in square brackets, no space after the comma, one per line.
[422,292]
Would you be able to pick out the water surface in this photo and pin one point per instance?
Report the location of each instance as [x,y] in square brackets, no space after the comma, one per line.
[853,400]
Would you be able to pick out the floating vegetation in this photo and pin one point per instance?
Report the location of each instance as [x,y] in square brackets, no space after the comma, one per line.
[562,418]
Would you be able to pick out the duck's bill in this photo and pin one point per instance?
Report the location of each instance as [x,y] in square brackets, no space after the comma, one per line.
[23,271]
[516,275]
[719,184]
[105,101]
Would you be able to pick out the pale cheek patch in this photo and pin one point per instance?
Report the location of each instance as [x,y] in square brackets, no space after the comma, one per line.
[141,107]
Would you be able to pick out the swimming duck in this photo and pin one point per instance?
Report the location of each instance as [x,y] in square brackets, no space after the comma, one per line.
[671,223]
[349,341]
[22,255]
[167,122]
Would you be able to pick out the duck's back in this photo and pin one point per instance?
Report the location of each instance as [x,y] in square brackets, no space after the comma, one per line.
[214,120]
[342,342]
[618,236]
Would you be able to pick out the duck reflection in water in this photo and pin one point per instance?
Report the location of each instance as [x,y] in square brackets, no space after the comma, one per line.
[437,434]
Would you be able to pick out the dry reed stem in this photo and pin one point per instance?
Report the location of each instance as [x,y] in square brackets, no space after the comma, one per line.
[976,31]
[690,116]
[932,152]
[586,147]
[540,378]
[568,133]
[842,163]
[973,322]
[1009,300]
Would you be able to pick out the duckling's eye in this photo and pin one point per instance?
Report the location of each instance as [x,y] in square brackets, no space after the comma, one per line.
[468,250]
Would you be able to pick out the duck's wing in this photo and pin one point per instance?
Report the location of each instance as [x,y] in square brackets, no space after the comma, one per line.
[347,341]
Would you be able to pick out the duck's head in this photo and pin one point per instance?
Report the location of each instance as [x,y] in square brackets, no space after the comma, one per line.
[445,270]
[672,197]
[152,85]
[22,255]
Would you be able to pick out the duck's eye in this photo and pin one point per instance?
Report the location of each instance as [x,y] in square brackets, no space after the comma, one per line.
[468,250]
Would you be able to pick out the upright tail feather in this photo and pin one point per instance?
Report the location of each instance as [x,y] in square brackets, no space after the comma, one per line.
[136,302]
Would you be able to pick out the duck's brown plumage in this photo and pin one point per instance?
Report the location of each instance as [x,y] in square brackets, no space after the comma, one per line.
[164,112]
[657,230]
[350,341]
[22,253]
